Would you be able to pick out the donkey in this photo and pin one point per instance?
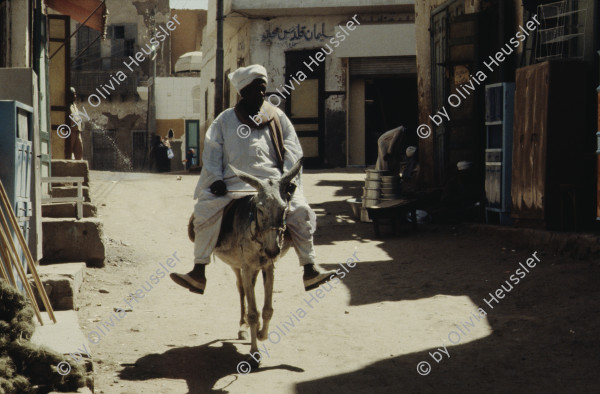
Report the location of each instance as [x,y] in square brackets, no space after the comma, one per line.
[253,244]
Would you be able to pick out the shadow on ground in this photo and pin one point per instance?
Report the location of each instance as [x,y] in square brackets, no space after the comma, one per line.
[544,336]
[200,366]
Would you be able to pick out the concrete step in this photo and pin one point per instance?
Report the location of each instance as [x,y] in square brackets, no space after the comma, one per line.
[65,337]
[62,283]
[68,210]
[68,240]
[71,168]
[71,191]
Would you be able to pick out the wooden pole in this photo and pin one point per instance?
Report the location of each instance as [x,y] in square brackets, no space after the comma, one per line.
[4,259]
[6,265]
[29,258]
[30,262]
[14,257]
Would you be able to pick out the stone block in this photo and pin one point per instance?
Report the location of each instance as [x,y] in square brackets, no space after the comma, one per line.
[71,168]
[67,240]
[68,210]
[65,337]
[71,191]
[61,282]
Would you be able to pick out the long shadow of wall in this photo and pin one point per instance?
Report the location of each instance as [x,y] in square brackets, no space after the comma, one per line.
[544,337]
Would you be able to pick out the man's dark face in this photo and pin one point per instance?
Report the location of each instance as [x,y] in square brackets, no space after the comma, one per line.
[254,93]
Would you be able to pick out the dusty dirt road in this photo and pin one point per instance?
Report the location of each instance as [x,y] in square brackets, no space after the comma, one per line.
[409,300]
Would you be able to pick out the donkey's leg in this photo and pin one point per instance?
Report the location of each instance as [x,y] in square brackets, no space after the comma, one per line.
[243,332]
[249,280]
[268,306]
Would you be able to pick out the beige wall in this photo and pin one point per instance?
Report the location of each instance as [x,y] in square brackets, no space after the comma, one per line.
[188,36]
[163,126]
[397,39]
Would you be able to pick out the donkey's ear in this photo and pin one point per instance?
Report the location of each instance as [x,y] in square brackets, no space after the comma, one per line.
[287,177]
[249,179]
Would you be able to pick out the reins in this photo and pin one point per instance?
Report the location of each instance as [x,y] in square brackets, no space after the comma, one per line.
[259,231]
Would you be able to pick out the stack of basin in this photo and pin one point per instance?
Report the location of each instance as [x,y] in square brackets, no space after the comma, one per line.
[371,192]
[390,187]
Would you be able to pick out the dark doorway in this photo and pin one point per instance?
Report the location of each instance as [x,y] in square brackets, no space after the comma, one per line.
[104,150]
[389,103]
[138,149]
[192,140]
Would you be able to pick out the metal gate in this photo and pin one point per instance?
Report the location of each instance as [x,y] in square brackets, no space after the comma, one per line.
[104,150]
[138,149]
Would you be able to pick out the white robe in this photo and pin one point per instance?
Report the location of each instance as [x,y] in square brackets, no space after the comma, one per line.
[255,155]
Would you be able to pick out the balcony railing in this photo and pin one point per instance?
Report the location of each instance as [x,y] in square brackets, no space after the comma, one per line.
[86,82]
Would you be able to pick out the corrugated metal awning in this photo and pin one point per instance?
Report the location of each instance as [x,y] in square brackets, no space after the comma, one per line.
[91,13]
[397,65]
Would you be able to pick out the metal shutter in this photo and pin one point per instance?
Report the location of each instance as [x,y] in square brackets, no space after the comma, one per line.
[400,65]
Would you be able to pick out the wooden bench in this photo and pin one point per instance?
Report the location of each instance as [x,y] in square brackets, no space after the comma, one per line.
[66,179]
[392,211]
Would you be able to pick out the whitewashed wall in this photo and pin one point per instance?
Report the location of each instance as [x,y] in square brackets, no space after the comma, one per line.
[178,98]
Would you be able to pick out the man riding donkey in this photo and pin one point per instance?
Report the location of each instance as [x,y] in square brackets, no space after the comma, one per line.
[263,149]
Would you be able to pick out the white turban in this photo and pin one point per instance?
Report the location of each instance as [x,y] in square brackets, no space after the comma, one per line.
[244,76]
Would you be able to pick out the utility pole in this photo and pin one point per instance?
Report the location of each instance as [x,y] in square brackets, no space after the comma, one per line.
[151,114]
[219,61]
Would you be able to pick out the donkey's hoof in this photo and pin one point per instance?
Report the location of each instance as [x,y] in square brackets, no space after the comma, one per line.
[261,335]
[243,335]
[253,363]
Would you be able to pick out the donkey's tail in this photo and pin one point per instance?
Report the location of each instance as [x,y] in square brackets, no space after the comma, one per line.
[191,233]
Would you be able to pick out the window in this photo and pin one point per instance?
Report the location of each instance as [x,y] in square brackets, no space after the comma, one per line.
[123,41]
[88,49]
[119,32]
[129,49]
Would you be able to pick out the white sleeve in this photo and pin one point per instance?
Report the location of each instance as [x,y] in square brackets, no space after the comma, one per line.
[212,156]
[293,149]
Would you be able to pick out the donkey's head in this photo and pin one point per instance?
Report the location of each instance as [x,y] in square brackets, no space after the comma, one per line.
[270,209]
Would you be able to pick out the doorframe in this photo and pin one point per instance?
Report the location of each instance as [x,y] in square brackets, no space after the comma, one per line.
[67,70]
[309,162]
[187,146]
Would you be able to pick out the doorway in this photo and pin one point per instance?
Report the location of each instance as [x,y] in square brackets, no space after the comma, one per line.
[304,106]
[389,103]
[192,140]
[138,149]
[104,150]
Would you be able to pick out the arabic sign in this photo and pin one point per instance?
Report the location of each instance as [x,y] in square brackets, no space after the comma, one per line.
[296,33]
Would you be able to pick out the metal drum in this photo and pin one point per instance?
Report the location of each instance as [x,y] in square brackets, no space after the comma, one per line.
[376,175]
[369,202]
[371,193]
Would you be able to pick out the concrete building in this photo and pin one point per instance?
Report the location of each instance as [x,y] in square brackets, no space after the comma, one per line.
[178,106]
[178,97]
[467,46]
[113,79]
[343,71]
